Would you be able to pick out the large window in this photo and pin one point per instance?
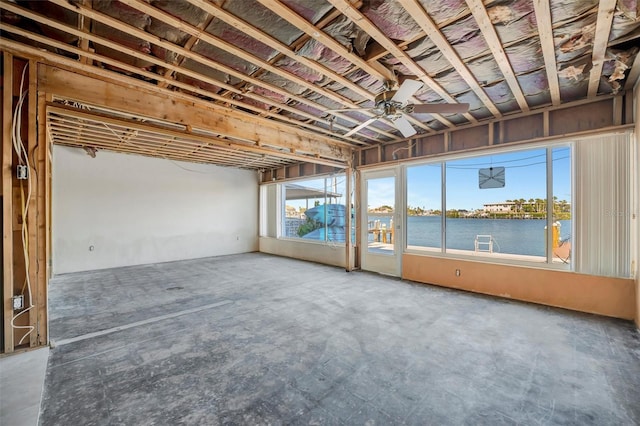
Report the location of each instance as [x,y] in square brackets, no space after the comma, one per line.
[424,206]
[315,209]
[494,206]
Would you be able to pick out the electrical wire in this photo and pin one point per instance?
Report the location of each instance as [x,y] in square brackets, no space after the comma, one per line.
[23,159]
[507,167]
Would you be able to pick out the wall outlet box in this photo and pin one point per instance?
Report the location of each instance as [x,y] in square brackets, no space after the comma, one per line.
[22,171]
[18,302]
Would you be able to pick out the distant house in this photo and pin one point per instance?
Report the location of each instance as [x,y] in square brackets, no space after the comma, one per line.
[503,207]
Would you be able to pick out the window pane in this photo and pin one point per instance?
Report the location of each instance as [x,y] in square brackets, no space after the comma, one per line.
[381,200]
[334,215]
[424,206]
[315,209]
[496,205]
[562,205]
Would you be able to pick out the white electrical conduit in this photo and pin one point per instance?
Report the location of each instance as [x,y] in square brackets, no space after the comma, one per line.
[23,158]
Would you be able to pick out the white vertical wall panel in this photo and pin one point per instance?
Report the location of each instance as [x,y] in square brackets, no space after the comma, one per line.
[118,210]
[603,205]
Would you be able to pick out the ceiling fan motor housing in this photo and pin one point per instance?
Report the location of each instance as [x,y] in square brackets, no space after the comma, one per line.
[385,107]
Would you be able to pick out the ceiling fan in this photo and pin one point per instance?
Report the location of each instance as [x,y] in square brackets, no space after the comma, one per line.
[393,104]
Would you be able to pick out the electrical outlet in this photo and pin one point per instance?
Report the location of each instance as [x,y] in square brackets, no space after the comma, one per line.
[457,272]
[18,302]
[22,172]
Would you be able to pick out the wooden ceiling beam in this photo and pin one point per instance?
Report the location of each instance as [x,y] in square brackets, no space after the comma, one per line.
[82,130]
[223,111]
[421,17]
[189,44]
[278,46]
[312,31]
[296,44]
[634,74]
[375,51]
[114,23]
[545,32]
[269,129]
[230,48]
[327,156]
[84,25]
[122,93]
[606,10]
[481,16]
[363,22]
[163,79]
[380,72]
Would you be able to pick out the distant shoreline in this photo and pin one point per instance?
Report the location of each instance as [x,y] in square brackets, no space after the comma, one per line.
[501,217]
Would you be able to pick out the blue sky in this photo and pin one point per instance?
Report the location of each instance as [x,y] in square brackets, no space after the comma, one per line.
[525,177]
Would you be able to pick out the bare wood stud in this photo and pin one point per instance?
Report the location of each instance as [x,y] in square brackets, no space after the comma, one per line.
[7,200]
[34,175]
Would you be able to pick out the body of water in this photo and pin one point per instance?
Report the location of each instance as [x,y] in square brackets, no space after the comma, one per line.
[513,236]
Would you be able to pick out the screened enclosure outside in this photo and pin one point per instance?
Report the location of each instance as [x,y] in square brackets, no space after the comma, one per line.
[315,209]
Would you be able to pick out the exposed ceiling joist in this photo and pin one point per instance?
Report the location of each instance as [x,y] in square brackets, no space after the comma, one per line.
[271,73]
[196,32]
[84,25]
[235,128]
[481,16]
[285,50]
[379,71]
[166,80]
[634,74]
[606,9]
[431,30]
[272,42]
[359,19]
[230,48]
[545,31]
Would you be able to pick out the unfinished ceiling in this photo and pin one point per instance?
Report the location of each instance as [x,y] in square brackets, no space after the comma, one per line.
[294,61]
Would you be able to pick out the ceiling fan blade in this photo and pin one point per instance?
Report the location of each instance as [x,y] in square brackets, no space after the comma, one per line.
[404,126]
[440,108]
[360,127]
[406,90]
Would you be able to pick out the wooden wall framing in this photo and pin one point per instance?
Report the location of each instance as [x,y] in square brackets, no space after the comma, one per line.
[31,259]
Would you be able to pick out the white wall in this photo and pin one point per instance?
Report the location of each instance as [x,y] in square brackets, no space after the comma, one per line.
[136,210]
[305,250]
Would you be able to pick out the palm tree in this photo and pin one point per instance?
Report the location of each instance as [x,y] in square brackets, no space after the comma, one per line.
[539,202]
[530,205]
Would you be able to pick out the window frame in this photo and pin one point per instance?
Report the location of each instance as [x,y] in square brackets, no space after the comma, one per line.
[442,160]
[282,200]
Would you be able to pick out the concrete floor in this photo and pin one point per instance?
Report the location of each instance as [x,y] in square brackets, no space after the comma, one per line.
[21,384]
[258,339]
